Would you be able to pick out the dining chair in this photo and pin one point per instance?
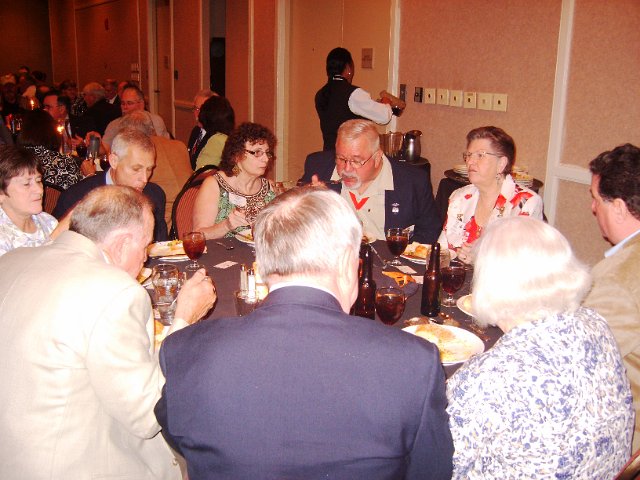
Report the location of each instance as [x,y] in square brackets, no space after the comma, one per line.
[182,212]
[632,469]
[50,196]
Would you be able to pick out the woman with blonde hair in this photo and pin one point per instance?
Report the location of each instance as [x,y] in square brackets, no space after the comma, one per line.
[551,398]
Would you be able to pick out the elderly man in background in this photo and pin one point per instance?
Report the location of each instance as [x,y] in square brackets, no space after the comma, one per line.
[132,160]
[384,194]
[199,136]
[132,100]
[80,376]
[615,189]
[111,91]
[101,111]
[299,388]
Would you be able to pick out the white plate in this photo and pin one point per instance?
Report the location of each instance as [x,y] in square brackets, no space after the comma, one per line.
[420,260]
[459,346]
[464,304]
[144,275]
[166,249]
[245,238]
[174,258]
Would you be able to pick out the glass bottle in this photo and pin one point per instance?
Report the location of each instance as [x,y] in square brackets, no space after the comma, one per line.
[364,305]
[430,305]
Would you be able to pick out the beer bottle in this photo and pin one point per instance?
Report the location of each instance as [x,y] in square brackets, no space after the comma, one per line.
[431,283]
[365,303]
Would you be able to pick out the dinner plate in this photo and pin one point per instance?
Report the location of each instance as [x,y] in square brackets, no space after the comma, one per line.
[464,304]
[166,249]
[245,237]
[144,275]
[408,255]
[455,344]
[174,258]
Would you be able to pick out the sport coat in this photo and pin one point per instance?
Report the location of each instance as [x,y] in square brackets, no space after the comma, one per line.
[409,203]
[299,389]
[76,192]
[79,374]
[193,153]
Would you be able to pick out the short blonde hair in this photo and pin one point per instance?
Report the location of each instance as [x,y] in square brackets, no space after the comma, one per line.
[525,270]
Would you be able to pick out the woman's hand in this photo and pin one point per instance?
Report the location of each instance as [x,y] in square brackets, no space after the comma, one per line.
[465,253]
[236,219]
[87,167]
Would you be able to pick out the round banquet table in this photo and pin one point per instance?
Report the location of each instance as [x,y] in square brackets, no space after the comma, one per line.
[227,280]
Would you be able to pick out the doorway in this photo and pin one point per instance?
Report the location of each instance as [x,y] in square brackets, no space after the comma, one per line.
[163,91]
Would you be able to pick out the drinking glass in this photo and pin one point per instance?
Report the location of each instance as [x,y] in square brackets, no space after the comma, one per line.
[390,302]
[452,281]
[166,280]
[397,240]
[81,150]
[245,303]
[194,243]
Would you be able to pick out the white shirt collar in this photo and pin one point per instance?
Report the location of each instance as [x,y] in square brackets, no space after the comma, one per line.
[617,247]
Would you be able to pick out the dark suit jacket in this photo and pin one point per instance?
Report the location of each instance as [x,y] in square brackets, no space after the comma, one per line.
[193,154]
[412,194]
[298,389]
[102,113]
[81,125]
[76,192]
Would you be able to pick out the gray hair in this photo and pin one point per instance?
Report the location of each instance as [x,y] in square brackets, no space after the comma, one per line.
[95,89]
[138,120]
[525,270]
[107,209]
[354,129]
[127,138]
[303,232]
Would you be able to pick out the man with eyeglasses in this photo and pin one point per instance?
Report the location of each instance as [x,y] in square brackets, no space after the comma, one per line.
[384,194]
[59,107]
[199,136]
[132,100]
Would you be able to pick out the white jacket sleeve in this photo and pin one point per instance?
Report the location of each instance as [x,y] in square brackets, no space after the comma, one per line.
[361,103]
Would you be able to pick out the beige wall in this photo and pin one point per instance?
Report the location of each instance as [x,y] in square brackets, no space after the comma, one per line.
[316,28]
[464,45]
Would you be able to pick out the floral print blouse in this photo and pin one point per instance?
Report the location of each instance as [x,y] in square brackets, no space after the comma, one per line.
[12,237]
[60,170]
[550,400]
[460,225]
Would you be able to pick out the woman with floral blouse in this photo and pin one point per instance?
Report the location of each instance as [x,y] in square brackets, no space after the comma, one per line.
[551,398]
[492,193]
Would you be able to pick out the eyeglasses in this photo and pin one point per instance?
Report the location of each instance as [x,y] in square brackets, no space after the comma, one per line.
[259,153]
[355,164]
[479,155]
[130,103]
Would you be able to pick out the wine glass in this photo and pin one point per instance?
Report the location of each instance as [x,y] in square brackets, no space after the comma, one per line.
[194,243]
[390,302]
[397,240]
[166,283]
[452,281]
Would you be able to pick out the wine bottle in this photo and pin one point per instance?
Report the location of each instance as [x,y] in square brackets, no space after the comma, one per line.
[430,305]
[366,300]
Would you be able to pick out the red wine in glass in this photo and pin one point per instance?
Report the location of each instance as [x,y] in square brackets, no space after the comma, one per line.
[390,304]
[193,244]
[452,281]
[397,240]
[81,150]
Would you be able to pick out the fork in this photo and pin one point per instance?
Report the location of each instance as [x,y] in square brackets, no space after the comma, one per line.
[226,247]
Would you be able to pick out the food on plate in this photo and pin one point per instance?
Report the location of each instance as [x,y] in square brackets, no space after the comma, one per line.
[246,234]
[466,302]
[144,274]
[452,348]
[165,249]
[400,278]
[419,250]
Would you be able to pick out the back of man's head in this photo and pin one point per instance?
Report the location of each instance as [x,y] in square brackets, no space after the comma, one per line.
[107,209]
[304,232]
[138,120]
[619,172]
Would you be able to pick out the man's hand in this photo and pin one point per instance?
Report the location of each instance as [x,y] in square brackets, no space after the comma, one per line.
[196,297]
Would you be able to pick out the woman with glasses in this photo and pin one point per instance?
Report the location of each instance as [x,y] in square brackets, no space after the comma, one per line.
[229,201]
[492,194]
[218,119]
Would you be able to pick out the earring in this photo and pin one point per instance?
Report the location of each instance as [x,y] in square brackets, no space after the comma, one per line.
[235,170]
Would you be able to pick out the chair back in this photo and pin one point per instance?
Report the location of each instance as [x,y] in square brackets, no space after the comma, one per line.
[182,212]
[50,197]
[632,469]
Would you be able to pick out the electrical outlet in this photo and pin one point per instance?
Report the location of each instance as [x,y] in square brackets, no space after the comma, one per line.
[455,99]
[417,96]
[430,96]
[443,96]
[485,101]
[500,102]
[403,92]
[470,100]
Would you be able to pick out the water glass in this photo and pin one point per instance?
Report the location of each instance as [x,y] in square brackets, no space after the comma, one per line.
[166,280]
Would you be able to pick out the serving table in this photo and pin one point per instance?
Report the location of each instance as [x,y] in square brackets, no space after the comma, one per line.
[223,266]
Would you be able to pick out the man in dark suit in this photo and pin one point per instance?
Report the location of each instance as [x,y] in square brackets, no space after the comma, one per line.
[385,194]
[101,111]
[299,388]
[132,160]
[199,136]
[59,107]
